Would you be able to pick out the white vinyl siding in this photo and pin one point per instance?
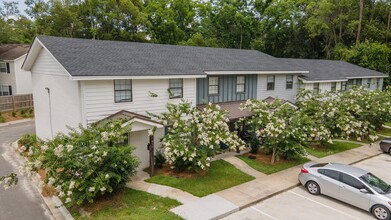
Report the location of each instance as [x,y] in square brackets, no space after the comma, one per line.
[99,97]
[280,90]
[64,95]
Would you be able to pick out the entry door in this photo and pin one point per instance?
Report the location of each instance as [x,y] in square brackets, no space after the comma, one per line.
[139,140]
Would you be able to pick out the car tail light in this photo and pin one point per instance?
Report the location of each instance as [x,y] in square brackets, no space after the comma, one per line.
[303,170]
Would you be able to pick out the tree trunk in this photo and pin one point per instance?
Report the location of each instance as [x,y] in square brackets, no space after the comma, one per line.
[241,36]
[388,25]
[274,154]
[360,21]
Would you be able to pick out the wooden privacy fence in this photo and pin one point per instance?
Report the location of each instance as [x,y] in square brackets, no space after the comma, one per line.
[16,102]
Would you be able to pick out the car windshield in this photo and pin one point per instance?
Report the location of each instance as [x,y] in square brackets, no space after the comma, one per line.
[376,183]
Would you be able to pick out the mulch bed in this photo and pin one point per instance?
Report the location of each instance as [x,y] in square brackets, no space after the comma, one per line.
[265,158]
[167,171]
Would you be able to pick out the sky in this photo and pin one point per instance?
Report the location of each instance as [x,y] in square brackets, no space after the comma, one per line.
[22,7]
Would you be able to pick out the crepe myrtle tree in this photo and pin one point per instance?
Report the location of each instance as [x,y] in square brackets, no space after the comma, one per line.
[336,115]
[279,127]
[372,106]
[194,135]
[86,163]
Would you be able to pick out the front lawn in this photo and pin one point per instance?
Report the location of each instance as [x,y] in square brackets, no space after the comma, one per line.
[388,123]
[329,149]
[129,204]
[221,175]
[384,131]
[263,165]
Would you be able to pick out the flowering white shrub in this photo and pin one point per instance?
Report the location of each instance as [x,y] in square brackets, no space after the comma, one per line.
[86,163]
[354,113]
[280,128]
[9,181]
[195,135]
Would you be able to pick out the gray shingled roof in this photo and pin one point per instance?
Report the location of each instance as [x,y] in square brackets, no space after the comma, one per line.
[320,70]
[13,51]
[83,57]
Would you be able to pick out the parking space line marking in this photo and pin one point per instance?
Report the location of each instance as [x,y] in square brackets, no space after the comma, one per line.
[263,213]
[324,205]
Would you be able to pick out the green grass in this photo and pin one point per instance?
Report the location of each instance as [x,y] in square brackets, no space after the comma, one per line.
[329,149]
[384,131]
[221,175]
[133,204]
[268,168]
[388,123]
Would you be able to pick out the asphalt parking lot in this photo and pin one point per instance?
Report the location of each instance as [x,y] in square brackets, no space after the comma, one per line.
[298,204]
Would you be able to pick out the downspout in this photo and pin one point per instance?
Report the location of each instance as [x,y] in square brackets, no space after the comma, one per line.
[50,113]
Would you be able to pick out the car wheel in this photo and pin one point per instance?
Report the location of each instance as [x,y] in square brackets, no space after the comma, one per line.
[313,188]
[381,212]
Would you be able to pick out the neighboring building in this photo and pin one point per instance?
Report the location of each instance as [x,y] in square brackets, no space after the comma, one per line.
[335,75]
[78,81]
[14,80]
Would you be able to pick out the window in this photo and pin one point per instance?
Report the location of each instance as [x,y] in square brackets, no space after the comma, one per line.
[123,90]
[270,82]
[289,82]
[343,86]
[4,67]
[333,86]
[369,82]
[351,181]
[377,83]
[213,85]
[330,173]
[240,84]
[176,88]
[5,90]
[316,88]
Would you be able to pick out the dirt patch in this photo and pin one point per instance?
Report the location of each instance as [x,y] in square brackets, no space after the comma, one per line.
[167,171]
[265,158]
[48,191]
[18,116]
[112,200]
[42,174]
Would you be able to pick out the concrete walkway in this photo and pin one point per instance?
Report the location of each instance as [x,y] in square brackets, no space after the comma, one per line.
[225,202]
[138,183]
[241,165]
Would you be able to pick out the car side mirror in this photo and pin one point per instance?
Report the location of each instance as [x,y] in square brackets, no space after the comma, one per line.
[364,190]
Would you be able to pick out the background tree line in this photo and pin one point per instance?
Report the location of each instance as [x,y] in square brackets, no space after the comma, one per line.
[357,31]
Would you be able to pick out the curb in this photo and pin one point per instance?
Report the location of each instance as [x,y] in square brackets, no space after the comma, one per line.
[53,203]
[290,187]
[15,122]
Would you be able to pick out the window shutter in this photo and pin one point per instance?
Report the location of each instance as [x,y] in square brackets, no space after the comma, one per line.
[8,67]
[10,89]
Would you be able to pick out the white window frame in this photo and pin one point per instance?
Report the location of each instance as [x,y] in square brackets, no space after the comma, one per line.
[175,84]
[334,86]
[3,67]
[214,86]
[289,82]
[271,82]
[240,84]
[315,88]
[7,90]
[123,90]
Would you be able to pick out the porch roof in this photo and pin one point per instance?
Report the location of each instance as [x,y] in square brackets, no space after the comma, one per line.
[233,109]
[145,121]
